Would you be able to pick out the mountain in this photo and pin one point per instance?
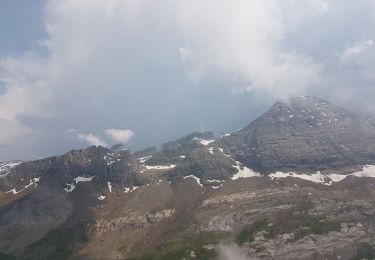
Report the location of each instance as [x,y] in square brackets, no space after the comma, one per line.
[304,133]
[296,183]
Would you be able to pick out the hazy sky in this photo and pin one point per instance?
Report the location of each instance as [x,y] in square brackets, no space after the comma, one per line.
[80,72]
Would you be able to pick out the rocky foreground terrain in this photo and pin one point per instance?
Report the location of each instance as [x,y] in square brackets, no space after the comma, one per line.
[296,183]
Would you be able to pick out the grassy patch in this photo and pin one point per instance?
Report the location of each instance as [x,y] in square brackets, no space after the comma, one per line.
[59,243]
[181,248]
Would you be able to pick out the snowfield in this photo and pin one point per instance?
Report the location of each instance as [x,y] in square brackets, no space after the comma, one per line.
[326,178]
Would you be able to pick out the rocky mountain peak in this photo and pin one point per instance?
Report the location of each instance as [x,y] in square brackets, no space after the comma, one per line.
[306,111]
[303,133]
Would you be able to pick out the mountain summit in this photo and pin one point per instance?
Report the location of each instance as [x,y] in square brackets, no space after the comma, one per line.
[303,133]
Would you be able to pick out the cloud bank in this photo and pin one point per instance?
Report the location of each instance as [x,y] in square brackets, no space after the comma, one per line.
[163,68]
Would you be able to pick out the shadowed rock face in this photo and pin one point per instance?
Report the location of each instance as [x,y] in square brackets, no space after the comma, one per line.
[207,163]
[305,133]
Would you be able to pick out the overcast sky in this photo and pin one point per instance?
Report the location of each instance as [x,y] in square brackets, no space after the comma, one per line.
[81,72]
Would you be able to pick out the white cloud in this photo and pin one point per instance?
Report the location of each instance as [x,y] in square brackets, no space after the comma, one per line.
[92,139]
[27,80]
[97,51]
[244,40]
[354,52]
[120,135]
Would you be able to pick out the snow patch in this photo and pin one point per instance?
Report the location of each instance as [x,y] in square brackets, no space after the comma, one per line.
[142,160]
[367,171]
[83,179]
[111,158]
[5,167]
[70,188]
[33,181]
[214,180]
[317,177]
[109,186]
[203,141]
[131,189]
[244,172]
[77,180]
[195,178]
[326,178]
[211,150]
[335,178]
[101,197]
[14,191]
[160,167]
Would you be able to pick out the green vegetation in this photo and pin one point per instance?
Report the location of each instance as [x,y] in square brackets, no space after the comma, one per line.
[304,204]
[296,220]
[247,234]
[365,251]
[307,224]
[299,221]
[59,243]
[123,248]
[182,248]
